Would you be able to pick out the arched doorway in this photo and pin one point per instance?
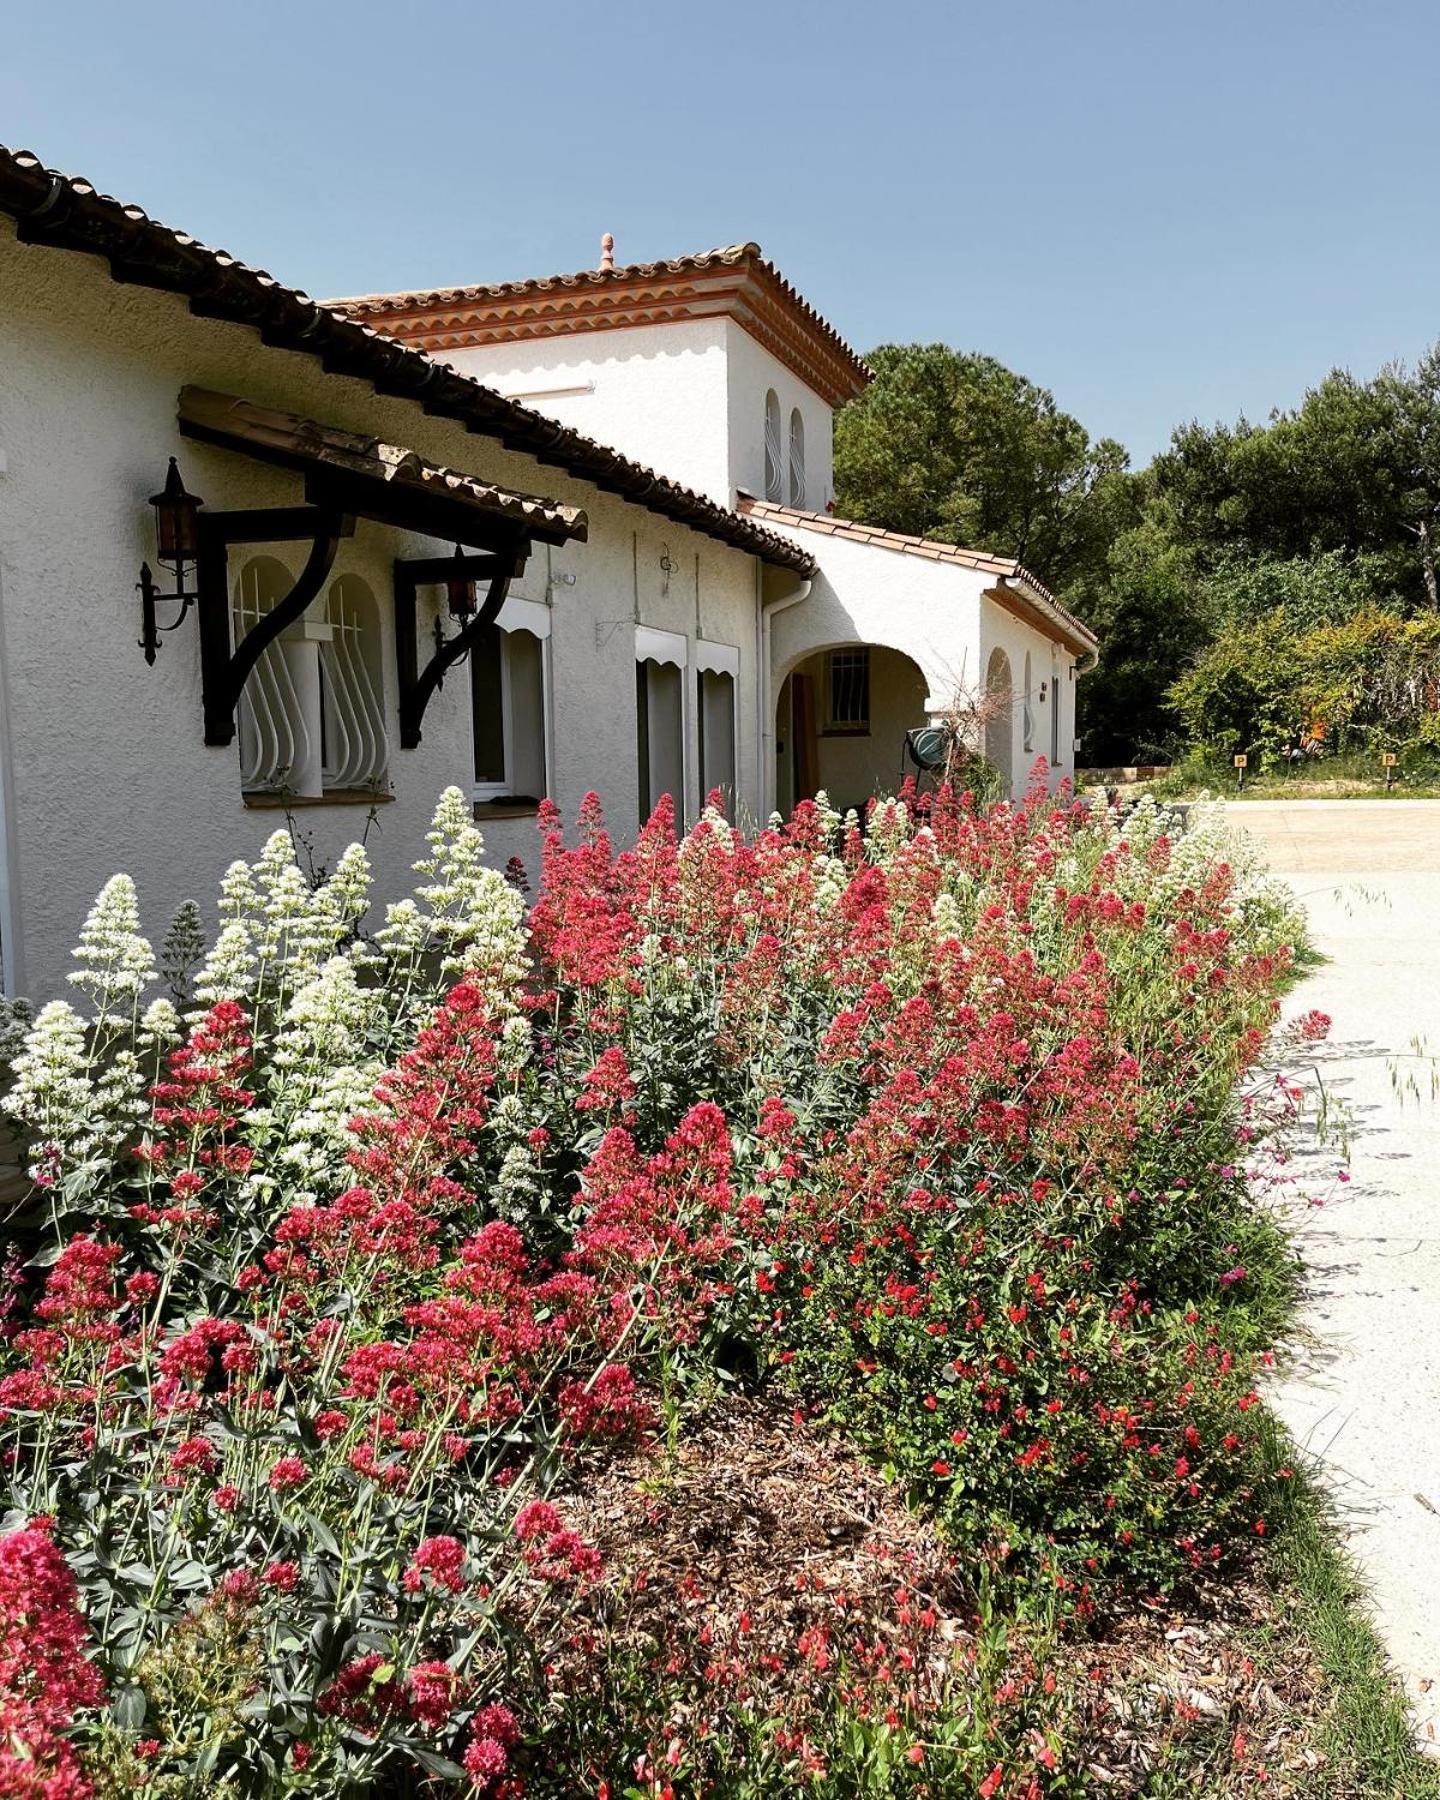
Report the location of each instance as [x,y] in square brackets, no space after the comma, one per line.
[999,729]
[841,721]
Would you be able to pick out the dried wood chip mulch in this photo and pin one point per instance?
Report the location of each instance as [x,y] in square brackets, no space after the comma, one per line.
[756,1523]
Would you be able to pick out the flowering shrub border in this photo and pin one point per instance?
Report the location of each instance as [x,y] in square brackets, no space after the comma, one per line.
[340,1268]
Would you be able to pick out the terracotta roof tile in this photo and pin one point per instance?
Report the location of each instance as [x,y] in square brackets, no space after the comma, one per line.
[982,561]
[735,280]
[67,212]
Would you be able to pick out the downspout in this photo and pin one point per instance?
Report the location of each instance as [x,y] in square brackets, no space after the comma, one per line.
[766,615]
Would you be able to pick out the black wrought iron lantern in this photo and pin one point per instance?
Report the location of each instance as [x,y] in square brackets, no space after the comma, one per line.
[460,593]
[177,546]
[177,522]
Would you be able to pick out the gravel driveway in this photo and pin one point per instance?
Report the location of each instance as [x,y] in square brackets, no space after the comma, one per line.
[1364,1396]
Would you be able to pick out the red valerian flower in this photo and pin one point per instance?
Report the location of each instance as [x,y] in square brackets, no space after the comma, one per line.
[431,1694]
[288,1472]
[45,1675]
[441,1560]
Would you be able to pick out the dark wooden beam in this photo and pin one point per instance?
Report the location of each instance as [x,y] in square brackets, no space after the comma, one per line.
[418,685]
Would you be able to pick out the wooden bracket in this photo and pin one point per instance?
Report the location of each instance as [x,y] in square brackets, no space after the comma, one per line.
[417,684]
[223,673]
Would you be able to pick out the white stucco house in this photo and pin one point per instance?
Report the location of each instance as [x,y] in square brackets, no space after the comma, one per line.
[533,538]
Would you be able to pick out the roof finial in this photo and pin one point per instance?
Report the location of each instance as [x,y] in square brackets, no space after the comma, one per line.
[607,250]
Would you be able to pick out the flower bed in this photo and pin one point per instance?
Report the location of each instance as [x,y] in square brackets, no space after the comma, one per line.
[348,1264]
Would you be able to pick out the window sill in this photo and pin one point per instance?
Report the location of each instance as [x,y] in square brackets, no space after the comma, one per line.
[263,802]
[506,809]
[845,731]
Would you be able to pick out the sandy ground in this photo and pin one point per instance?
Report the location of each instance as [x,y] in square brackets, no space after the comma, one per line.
[1363,1393]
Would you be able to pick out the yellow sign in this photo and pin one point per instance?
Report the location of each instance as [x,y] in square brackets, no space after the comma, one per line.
[1389,759]
[1242,762]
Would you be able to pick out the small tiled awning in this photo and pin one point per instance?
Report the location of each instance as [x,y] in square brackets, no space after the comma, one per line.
[373,479]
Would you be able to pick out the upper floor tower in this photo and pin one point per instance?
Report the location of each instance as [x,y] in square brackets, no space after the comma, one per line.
[711,368]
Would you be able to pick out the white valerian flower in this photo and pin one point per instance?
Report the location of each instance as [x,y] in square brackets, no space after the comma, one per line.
[516,1043]
[516,1187]
[293,929]
[889,829]
[160,1025]
[309,1164]
[345,897]
[53,1096]
[116,964]
[228,970]
[328,1023]
[464,914]
[403,933]
[238,898]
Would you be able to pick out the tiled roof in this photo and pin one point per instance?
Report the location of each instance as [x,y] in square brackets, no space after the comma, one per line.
[67,212]
[297,442]
[1002,567]
[735,280]
[404,299]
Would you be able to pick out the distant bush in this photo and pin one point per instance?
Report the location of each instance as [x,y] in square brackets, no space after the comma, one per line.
[1373,679]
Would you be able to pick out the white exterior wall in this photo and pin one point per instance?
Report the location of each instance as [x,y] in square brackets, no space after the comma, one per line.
[752,371]
[686,398]
[1002,631]
[936,614]
[107,768]
[656,392]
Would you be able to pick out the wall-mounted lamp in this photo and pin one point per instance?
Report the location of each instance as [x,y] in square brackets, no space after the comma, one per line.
[177,541]
[460,596]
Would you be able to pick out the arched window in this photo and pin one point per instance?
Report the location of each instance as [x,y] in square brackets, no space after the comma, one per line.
[661,661]
[999,697]
[279,702]
[1027,714]
[774,449]
[352,710]
[312,712]
[797,458]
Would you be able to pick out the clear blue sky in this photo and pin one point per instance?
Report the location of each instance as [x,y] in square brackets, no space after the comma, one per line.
[1160,209]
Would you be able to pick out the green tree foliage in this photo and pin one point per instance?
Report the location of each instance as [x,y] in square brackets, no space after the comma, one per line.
[1152,617]
[959,448]
[1213,576]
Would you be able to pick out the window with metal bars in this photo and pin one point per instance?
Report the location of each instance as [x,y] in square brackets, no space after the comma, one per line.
[797,458]
[354,753]
[312,713]
[847,690]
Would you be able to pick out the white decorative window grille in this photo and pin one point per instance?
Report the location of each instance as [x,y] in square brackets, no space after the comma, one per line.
[774,449]
[797,458]
[274,731]
[354,753]
[312,713]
